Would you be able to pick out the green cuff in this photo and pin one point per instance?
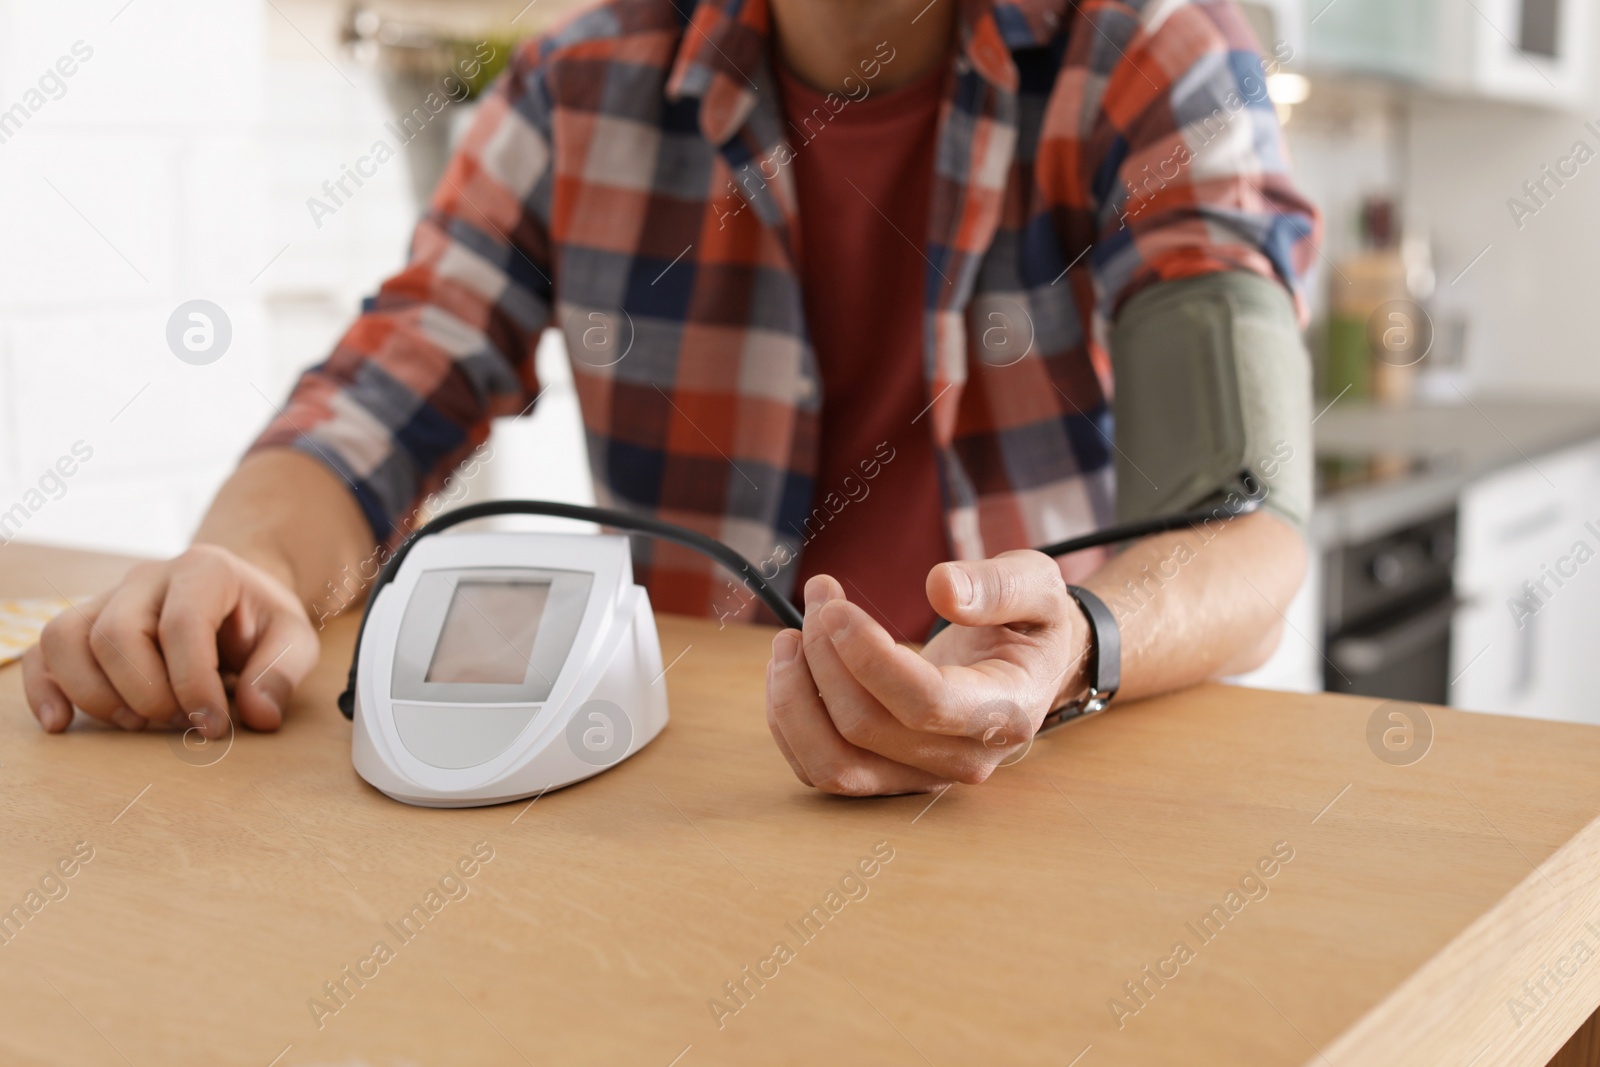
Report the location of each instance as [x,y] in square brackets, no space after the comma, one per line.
[1212,379]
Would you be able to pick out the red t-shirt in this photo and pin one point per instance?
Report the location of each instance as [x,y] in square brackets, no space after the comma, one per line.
[864,177]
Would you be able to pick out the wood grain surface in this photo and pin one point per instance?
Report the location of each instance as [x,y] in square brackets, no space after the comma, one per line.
[1429,913]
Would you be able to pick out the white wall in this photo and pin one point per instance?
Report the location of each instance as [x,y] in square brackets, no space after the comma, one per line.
[176,165]
[131,193]
[1532,295]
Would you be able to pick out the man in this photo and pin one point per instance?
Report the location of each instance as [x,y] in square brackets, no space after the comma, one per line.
[845,284]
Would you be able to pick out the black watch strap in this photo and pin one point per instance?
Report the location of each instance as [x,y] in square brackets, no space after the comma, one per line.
[1105,661]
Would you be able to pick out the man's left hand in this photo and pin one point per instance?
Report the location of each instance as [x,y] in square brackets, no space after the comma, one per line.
[857,714]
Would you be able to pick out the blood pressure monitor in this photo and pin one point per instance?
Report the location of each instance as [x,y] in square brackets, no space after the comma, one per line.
[495,666]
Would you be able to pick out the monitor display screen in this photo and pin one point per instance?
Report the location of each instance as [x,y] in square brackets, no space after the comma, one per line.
[488,633]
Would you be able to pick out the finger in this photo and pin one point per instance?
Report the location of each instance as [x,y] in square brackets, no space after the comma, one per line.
[49,703]
[777,732]
[71,663]
[1016,589]
[123,640]
[284,653]
[861,718]
[970,703]
[912,689]
[203,591]
[827,760]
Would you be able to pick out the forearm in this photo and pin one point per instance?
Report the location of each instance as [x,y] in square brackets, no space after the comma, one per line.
[1199,604]
[294,518]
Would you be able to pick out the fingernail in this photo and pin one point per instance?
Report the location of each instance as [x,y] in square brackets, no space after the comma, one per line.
[212,723]
[127,719]
[813,596]
[271,702]
[50,717]
[837,622]
[962,582]
[783,648]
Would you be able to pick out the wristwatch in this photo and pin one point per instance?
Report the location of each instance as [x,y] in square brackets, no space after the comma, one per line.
[1105,662]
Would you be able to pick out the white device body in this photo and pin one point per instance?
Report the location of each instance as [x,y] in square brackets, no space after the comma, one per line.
[445,745]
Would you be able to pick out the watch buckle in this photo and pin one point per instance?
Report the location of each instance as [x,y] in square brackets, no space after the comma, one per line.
[1092,703]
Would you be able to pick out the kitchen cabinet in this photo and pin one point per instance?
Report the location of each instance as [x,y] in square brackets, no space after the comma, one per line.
[1526,51]
[1390,38]
[1526,639]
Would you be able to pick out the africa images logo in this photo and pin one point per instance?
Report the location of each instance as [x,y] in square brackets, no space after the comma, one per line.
[199,332]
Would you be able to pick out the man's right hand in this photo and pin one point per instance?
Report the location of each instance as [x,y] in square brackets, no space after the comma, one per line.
[156,647]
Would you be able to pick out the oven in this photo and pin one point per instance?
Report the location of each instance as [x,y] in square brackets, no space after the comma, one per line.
[1388,604]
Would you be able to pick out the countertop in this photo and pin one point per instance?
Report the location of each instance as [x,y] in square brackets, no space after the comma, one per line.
[1374,910]
[1421,457]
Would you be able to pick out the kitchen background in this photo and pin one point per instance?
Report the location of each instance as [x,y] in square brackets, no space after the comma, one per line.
[1449,143]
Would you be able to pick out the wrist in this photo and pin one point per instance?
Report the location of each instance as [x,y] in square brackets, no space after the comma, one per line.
[262,555]
[1100,656]
[1080,647]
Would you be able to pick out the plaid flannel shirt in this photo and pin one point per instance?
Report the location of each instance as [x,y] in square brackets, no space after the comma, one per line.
[627,183]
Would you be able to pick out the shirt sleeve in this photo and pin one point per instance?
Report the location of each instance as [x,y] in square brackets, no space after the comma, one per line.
[447,344]
[1187,167]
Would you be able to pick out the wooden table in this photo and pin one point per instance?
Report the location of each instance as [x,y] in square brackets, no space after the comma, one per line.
[221,898]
